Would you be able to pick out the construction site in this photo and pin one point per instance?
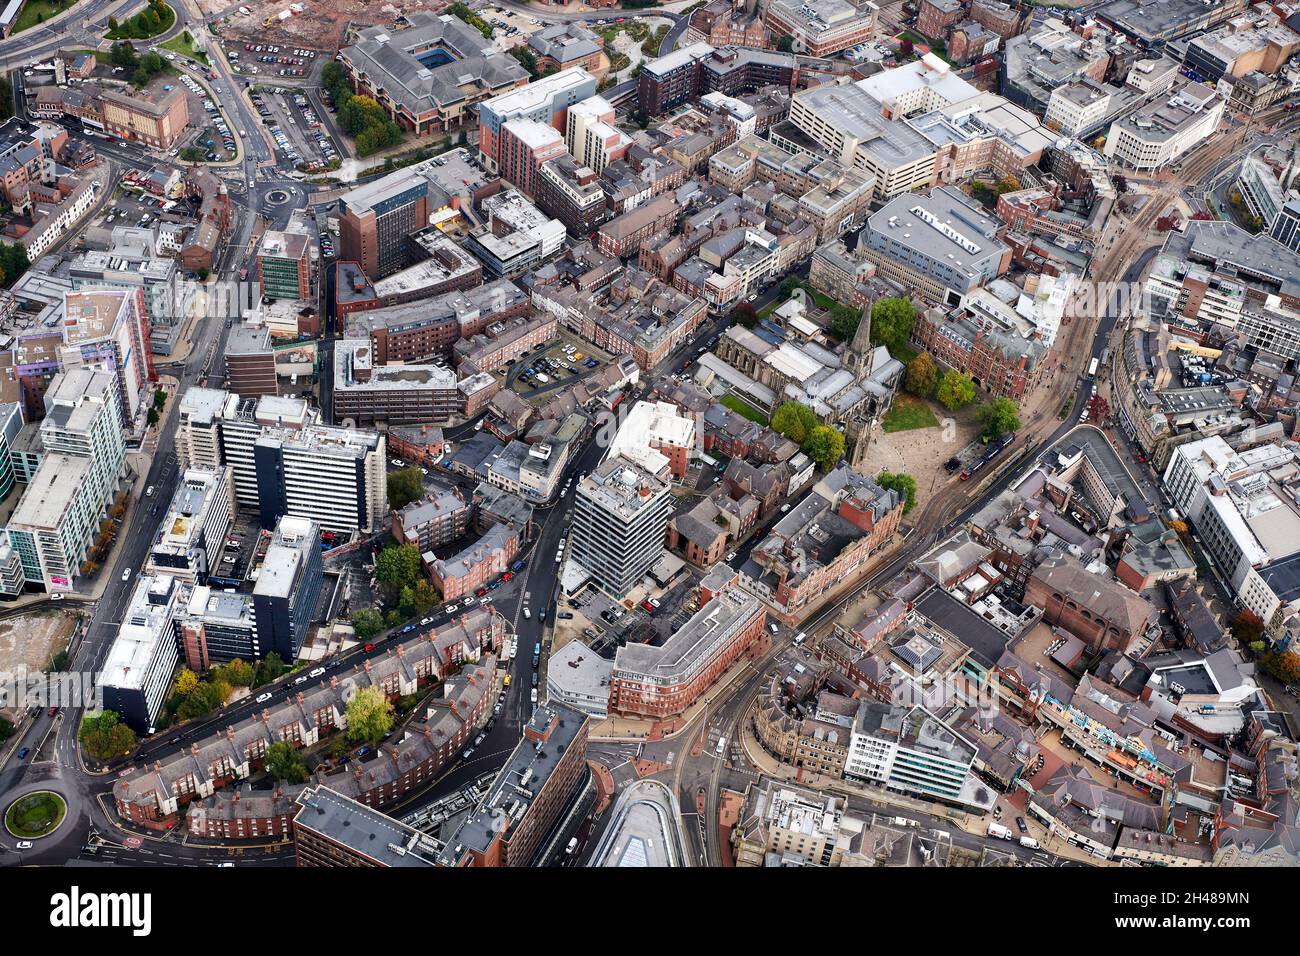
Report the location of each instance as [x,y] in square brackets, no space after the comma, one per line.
[312,24]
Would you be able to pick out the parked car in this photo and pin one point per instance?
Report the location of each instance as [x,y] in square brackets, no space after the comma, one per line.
[263,698]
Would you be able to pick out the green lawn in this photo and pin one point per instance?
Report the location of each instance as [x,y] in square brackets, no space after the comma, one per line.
[35,814]
[909,413]
[177,44]
[38,11]
[123,31]
[742,407]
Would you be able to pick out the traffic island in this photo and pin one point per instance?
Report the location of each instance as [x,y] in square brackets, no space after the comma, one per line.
[35,814]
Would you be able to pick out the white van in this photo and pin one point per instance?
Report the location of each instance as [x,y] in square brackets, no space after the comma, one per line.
[528,615]
[800,638]
[533,696]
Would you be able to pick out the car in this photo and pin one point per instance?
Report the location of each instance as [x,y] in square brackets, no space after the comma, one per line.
[1020,825]
[148,492]
[534,678]
[56,597]
[481,592]
[507,576]
[126,575]
[647,607]
[451,607]
[175,740]
[496,708]
[731,556]
[773,628]
[52,711]
[316,672]
[301,679]
[479,739]
[566,616]
[262,698]
[24,845]
[485,600]
[22,754]
[467,753]
[655,602]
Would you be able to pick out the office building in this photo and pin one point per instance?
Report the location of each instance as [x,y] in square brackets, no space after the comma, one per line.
[821,27]
[564,46]
[331,830]
[136,678]
[284,265]
[376,218]
[911,751]
[940,244]
[250,362]
[216,626]
[130,264]
[516,238]
[365,393]
[191,536]
[691,71]
[666,680]
[429,76]
[545,100]
[528,796]
[1158,133]
[11,422]
[619,525]
[155,116]
[1152,22]
[84,459]
[288,587]
[1286,227]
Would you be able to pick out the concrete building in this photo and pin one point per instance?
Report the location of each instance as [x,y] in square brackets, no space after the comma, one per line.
[545,100]
[619,524]
[136,678]
[517,237]
[940,244]
[591,135]
[84,459]
[525,145]
[250,362]
[911,751]
[288,587]
[107,330]
[366,393]
[190,539]
[1158,133]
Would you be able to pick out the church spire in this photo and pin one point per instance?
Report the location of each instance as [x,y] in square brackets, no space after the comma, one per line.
[859,353]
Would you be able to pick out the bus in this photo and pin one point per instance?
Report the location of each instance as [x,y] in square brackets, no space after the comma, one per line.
[1092,368]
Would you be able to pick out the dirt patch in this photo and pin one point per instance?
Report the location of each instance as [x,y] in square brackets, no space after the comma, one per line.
[321,25]
[29,641]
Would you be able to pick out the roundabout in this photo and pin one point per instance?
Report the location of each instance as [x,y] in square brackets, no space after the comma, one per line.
[36,814]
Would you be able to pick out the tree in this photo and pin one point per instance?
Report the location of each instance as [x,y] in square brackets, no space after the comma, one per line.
[785,44]
[998,417]
[527,60]
[825,446]
[283,762]
[743,314]
[398,566]
[404,487]
[186,681]
[795,421]
[269,668]
[845,321]
[237,673]
[1284,665]
[6,98]
[367,622]
[122,53]
[922,376]
[105,736]
[112,24]
[902,483]
[891,323]
[955,390]
[370,716]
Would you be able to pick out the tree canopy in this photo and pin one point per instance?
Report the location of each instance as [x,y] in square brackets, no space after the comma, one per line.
[902,483]
[404,487]
[104,736]
[795,421]
[283,762]
[922,376]
[891,323]
[367,622]
[825,446]
[398,566]
[955,390]
[998,417]
[370,715]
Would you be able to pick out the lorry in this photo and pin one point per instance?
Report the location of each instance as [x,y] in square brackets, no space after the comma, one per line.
[1029,842]
[998,831]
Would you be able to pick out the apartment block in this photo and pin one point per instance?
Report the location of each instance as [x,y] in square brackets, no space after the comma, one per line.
[619,524]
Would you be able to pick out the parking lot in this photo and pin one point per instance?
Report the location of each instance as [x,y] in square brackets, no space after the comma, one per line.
[554,365]
[213,135]
[294,125]
[269,60]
